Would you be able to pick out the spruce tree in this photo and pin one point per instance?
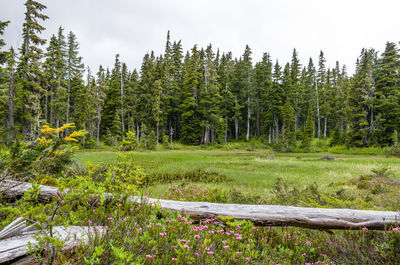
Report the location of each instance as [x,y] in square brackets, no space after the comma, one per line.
[73,72]
[308,133]
[29,68]
[10,73]
[288,124]
[360,99]
[388,92]
[3,54]
[191,117]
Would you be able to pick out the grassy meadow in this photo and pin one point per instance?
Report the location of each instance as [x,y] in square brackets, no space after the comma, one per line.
[256,172]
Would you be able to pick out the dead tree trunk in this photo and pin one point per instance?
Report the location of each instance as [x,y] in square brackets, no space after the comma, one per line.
[263,215]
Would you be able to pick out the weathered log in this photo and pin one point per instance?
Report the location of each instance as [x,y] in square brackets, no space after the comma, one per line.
[263,215]
[274,215]
[17,246]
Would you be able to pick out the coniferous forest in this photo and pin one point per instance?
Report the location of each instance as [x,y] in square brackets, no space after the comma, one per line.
[199,96]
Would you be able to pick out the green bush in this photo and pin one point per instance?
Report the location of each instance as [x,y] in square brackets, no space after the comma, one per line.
[130,142]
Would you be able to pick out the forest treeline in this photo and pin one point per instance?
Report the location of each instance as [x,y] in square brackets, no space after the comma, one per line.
[200,96]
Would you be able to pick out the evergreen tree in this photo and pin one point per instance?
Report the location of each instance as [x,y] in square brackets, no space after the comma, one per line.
[191,118]
[74,70]
[29,68]
[56,93]
[99,100]
[308,133]
[3,54]
[388,92]
[10,73]
[288,124]
[360,97]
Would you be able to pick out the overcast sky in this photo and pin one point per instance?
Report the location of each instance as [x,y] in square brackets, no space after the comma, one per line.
[133,27]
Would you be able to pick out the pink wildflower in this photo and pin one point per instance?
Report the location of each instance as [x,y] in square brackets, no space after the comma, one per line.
[210,253]
[185,246]
[225,247]
[364,229]
[308,243]
[148,256]
[89,222]
[196,254]
[174,247]
[174,259]
[304,255]
[197,236]
[110,219]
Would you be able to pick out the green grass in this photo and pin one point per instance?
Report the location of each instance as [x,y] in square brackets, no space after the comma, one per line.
[254,171]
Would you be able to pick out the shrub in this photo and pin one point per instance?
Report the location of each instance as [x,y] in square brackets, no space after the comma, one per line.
[130,142]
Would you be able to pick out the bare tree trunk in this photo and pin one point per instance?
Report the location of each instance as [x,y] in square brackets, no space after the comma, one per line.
[248,118]
[68,102]
[11,92]
[258,118]
[137,132]
[171,133]
[325,125]
[263,215]
[122,107]
[276,120]
[51,105]
[226,129]
[46,104]
[318,116]
[157,134]
[236,121]
[98,125]
[269,135]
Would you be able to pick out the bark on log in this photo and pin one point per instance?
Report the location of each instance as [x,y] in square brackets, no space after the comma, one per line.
[263,215]
[16,247]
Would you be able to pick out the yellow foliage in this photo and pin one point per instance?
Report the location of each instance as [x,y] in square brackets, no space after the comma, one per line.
[47,129]
[65,126]
[67,138]
[43,140]
[78,133]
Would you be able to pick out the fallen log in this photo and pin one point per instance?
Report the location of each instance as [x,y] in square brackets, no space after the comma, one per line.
[16,247]
[262,215]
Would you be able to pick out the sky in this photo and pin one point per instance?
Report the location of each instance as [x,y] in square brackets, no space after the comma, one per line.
[131,28]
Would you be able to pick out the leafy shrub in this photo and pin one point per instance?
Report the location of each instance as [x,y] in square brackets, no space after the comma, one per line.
[48,155]
[130,142]
[394,150]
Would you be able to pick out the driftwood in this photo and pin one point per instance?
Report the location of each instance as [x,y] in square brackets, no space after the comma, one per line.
[16,247]
[263,215]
